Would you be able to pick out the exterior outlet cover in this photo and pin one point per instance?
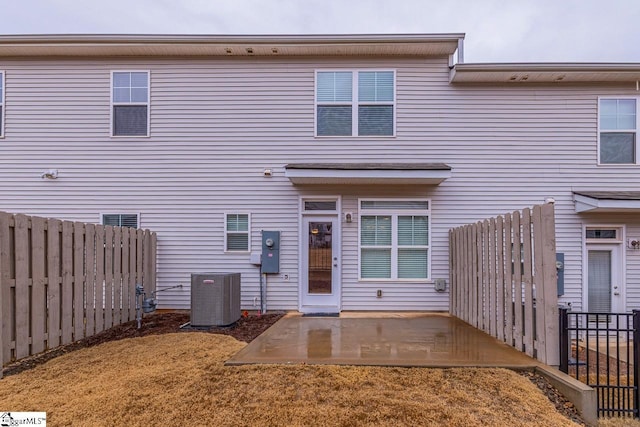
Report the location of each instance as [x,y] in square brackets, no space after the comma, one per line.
[440,285]
[256,258]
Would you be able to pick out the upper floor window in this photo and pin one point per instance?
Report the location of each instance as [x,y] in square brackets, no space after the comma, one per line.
[1,103]
[618,126]
[355,103]
[130,103]
[120,220]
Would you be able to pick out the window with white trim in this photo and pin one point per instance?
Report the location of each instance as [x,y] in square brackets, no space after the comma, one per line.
[236,232]
[394,239]
[130,103]
[121,220]
[1,103]
[603,234]
[355,103]
[618,131]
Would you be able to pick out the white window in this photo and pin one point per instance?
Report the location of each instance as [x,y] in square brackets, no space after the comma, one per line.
[121,220]
[1,103]
[394,239]
[355,103]
[603,234]
[236,233]
[618,131]
[130,103]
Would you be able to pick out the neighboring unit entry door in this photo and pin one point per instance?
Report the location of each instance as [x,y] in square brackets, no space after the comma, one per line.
[320,265]
[604,279]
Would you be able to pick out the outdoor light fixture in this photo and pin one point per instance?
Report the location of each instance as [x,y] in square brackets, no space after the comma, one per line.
[50,174]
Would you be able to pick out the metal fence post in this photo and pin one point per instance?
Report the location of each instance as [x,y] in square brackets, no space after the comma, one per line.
[564,339]
[636,362]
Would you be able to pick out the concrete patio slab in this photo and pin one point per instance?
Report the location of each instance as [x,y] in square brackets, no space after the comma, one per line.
[385,339]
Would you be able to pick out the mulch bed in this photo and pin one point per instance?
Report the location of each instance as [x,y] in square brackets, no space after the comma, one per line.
[246,329]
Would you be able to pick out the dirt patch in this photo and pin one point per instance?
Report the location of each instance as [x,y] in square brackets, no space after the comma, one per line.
[180,376]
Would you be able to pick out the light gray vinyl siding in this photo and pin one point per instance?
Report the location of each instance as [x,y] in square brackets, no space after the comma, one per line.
[216,124]
[632,265]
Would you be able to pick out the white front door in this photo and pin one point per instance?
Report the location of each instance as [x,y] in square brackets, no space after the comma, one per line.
[605,290]
[320,275]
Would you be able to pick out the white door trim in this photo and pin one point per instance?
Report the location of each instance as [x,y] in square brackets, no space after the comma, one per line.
[336,305]
[618,268]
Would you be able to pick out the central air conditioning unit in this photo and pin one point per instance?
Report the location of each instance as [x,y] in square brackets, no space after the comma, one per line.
[215,299]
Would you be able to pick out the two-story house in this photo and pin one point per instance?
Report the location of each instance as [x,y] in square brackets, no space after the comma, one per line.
[361,150]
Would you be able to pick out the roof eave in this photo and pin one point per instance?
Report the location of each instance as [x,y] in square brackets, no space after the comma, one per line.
[241,45]
[528,73]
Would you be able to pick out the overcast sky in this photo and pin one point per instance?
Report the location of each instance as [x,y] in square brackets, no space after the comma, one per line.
[496,30]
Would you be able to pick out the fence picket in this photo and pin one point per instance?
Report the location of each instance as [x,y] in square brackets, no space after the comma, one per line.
[485,276]
[465,291]
[549,299]
[67,282]
[125,276]
[454,272]
[54,278]
[493,312]
[132,272]
[150,253]
[517,281]
[100,275]
[22,286]
[5,288]
[117,276]
[467,268]
[38,294]
[139,259]
[108,277]
[500,277]
[90,285]
[528,283]
[78,281]
[508,277]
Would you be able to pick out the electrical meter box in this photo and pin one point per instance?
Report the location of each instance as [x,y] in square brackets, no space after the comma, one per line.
[270,252]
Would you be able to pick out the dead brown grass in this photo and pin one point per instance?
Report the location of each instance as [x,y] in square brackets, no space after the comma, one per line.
[180,379]
[618,422]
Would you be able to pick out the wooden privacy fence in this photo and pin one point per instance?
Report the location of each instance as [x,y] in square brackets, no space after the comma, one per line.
[62,281]
[504,280]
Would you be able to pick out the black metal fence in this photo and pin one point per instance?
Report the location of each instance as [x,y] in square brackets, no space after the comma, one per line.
[601,350]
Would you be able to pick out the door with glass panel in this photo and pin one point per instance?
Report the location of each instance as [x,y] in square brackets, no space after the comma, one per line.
[320,276]
[604,280]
